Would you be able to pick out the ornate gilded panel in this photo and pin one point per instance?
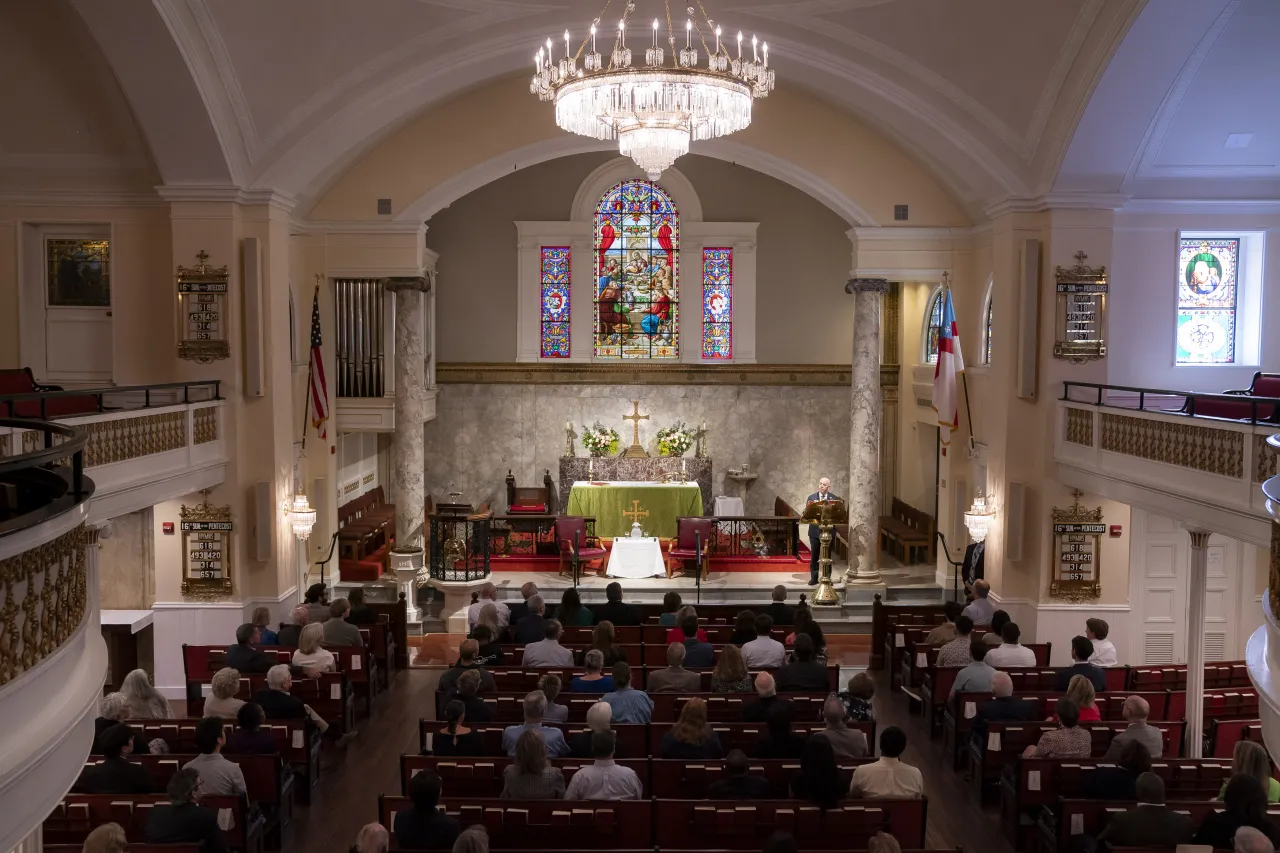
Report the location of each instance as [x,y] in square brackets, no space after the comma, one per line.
[1214,451]
[1264,459]
[204,425]
[44,598]
[128,438]
[1080,427]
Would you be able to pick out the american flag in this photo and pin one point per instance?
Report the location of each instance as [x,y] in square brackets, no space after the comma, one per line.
[318,405]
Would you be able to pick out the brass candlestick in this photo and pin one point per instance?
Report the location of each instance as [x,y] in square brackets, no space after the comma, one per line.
[826,514]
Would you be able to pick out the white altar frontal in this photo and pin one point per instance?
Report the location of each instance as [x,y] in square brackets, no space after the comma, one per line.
[639,557]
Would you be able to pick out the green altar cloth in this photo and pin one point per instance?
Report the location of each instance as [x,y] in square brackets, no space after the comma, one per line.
[665,502]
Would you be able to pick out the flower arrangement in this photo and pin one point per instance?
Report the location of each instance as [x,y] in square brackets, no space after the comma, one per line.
[674,440]
[600,440]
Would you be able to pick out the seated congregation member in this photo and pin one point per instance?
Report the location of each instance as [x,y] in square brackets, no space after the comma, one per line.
[980,610]
[670,606]
[739,783]
[532,627]
[764,652]
[317,602]
[474,839]
[691,737]
[1080,691]
[278,703]
[629,704]
[857,697]
[262,620]
[223,702]
[337,630]
[888,776]
[531,776]
[243,657]
[468,654]
[1149,823]
[1246,805]
[780,842]
[1118,782]
[674,678]
[778,610]
[548,651]
[477,710]
[599,719]
[806,675]
[422,826]
[571,611]
[112,709]
[456,738]
[1005,707]
[1081,651]
[697,651]
[883,842]
[956,652]
[372,838]
[730,674]
[946,632]
[1135,711]
[549,684]
[310,656]
[218,776]
[779,740]
[767,699]
[1250,840]
[819,779]
[183,820]
[614,610]
[602,639]
[535,709]
[976,677]
[490,651]
[488,621]
[685,629]
[806,626]
[488,594]
[744,628]
[1104,651]
[106,838]
[116,774]
[361,613]
[520,609]
[995,637]
[289,634]
[593,681]
[1066,741]
[249,738]
[1011,652]
[145,702]
[604,779]
[845,742]
[1250,759]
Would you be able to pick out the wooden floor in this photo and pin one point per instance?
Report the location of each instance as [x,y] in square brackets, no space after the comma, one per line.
[347,796]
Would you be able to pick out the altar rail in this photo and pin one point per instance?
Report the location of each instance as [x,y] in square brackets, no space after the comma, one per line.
[754,536]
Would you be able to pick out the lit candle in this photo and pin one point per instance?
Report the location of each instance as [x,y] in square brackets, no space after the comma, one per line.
[688,33]
[755,57]
[739,44]
[717,39]
[766,54]
[593,38]
[655,32]
[566,44]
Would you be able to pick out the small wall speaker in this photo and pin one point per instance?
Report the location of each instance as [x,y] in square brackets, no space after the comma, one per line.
[1015,507]
[1028,319]
[263,512]
[255,384]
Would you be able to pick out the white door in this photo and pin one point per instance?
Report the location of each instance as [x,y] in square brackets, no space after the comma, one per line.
[1159,565]
[66,296]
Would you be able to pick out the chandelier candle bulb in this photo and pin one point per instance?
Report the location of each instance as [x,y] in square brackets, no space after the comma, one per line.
[566,44]
[717,39]
[766,54]
[739,44]
[593,38]
[688,34]
[655,32]
[755,57]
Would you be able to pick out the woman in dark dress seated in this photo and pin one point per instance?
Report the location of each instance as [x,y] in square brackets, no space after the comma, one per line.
[249,738]
[744,628]
[1246,805]
[490,649]
[778,740]
[456,738]
[819,780]
[691,738]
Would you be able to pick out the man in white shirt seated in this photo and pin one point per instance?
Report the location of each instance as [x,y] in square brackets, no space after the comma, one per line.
[1104,651]
[981,608]
[605,779]
[888,777]
[764,652]
[548,652]
[488,595]
[1011,652]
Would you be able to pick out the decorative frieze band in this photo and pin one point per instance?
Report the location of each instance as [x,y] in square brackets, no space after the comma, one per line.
[1215,451]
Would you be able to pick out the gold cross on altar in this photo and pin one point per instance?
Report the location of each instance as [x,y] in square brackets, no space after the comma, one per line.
[635,451]
[636,512]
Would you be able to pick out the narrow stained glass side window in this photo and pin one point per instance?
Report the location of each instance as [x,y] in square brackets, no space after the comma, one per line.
[1207,296]
[990,327]
[717,303]
[555,302]
[934,330]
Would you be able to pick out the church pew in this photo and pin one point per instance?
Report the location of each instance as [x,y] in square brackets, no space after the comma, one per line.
[513,653]
[692,780]
[483,777]
[911,654]
[509,707]
[398,620]
[886,617]
[1223,735]
[938,681]
[581,636]
[329,695]
[79,814]
[1218,675]
[633,740]
[746,736]
[379,639]
[718,635]
[513,824]
[134,847]
[907,533]
[919,666]
[724,613]
[1070,817]
[727,707]
[356,663]
[739,825]
[508,678]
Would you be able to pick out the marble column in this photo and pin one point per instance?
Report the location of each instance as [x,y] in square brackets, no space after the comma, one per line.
[1197,589]
[408,454]
[864,432]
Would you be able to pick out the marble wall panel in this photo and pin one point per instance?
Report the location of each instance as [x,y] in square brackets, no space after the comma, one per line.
[789,436]
[126,567]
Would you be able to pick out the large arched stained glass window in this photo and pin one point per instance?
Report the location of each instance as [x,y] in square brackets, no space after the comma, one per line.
[637,243]
[933,330]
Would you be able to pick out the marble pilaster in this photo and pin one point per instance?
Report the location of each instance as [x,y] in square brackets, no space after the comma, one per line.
[864,432]
[408,449]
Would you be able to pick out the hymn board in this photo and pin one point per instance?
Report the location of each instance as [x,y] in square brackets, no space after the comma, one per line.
[1081,311]
[202,311]
[206,550]
[1077,552]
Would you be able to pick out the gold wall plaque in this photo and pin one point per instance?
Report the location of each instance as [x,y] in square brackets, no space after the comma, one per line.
[202,311]
[1081,312]
[206,550]
[1077,552]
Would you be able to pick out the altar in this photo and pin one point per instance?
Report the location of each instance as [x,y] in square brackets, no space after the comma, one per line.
[616,505]
[575,469]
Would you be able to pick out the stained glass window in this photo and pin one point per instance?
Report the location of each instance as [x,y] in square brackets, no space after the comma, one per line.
[934,330]
[717,303]
[637,304]
[990,326]
[555,302]
[1207,293]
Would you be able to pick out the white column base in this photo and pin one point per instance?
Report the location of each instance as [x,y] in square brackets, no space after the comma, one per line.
[457,598]
[406,565]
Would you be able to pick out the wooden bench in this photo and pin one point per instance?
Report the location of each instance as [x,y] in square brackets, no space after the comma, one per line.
[741,825]
[717,635]
[885,618]
[328,695]
[483,777]
[746,736]
[586,825]
[398,620]
[936,681]
[633,739]
[531,499]
[1223,735]
[907,533]
[20,380]
[508,679]
[692,780]
[379,639]
[1219,675]
[1070,817]
[134,847]
[354,665]
[79,814]
[911,654]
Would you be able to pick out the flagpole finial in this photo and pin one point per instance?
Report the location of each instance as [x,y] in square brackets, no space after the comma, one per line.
[946,280]
[319,278]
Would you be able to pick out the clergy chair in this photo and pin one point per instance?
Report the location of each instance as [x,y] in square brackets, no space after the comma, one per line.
[575,546]
[693,542]
[527,499]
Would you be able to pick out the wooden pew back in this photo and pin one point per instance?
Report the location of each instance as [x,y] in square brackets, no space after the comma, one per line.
[738,825]
[611,825]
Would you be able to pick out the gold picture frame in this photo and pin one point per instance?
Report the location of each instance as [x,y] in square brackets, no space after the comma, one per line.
[202,311]
[206,550]
[1080,315]
[1077,550]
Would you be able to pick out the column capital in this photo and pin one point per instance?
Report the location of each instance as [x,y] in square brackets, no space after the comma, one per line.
[867,285]
[1200,538]
[420,283]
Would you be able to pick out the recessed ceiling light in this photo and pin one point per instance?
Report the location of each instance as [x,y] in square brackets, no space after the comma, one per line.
[1238,140]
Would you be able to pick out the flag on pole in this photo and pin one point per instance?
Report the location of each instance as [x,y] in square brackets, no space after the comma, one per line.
[946,396]
[318,396]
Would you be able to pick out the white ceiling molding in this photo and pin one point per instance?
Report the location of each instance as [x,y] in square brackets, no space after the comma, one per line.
[387,226]
[78,198]
[225,194]
[1058,201]
[1202,207]
[1071,48]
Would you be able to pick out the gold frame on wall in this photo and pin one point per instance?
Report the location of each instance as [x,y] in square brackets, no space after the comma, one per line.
[214,522]
[1081,310]
[208,286]
[1077,541]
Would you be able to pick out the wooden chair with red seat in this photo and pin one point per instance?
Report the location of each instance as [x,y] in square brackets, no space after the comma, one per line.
[530,499]
[575,546]
[693,542]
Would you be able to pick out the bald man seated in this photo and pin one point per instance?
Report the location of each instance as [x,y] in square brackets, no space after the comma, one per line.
[1136,710]
[767,691]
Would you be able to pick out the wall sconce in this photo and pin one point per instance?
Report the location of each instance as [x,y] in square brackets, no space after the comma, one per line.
[302,516]
[978,518]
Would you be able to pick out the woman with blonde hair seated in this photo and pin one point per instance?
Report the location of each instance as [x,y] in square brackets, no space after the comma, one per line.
[488,616]
[1250,758]
[730,674]
[691,737]
[223,703]
[474,839]
[1080,691]
[309,655]
[108,838]
[145,702]
[262,620]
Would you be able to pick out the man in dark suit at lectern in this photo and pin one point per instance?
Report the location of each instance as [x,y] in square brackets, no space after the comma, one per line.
[815,544]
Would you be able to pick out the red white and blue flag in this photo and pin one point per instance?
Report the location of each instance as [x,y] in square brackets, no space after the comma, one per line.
[318,389]
[946,396]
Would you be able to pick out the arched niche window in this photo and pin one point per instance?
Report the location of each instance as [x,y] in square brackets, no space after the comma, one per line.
[933,327]
[988,322]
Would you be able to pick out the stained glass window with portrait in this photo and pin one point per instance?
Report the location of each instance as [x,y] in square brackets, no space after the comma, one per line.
[934,330]
[717,303]
[1207,295]
[555,302]
[637,273]
[79,273]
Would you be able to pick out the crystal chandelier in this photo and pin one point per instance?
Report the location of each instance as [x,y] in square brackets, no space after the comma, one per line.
[302,516]
[978,518]
[654,110]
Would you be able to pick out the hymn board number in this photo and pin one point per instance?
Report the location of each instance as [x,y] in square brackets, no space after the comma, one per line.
[206,550]
[1077,546]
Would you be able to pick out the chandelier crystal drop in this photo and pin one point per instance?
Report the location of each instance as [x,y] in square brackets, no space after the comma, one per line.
[657,109]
